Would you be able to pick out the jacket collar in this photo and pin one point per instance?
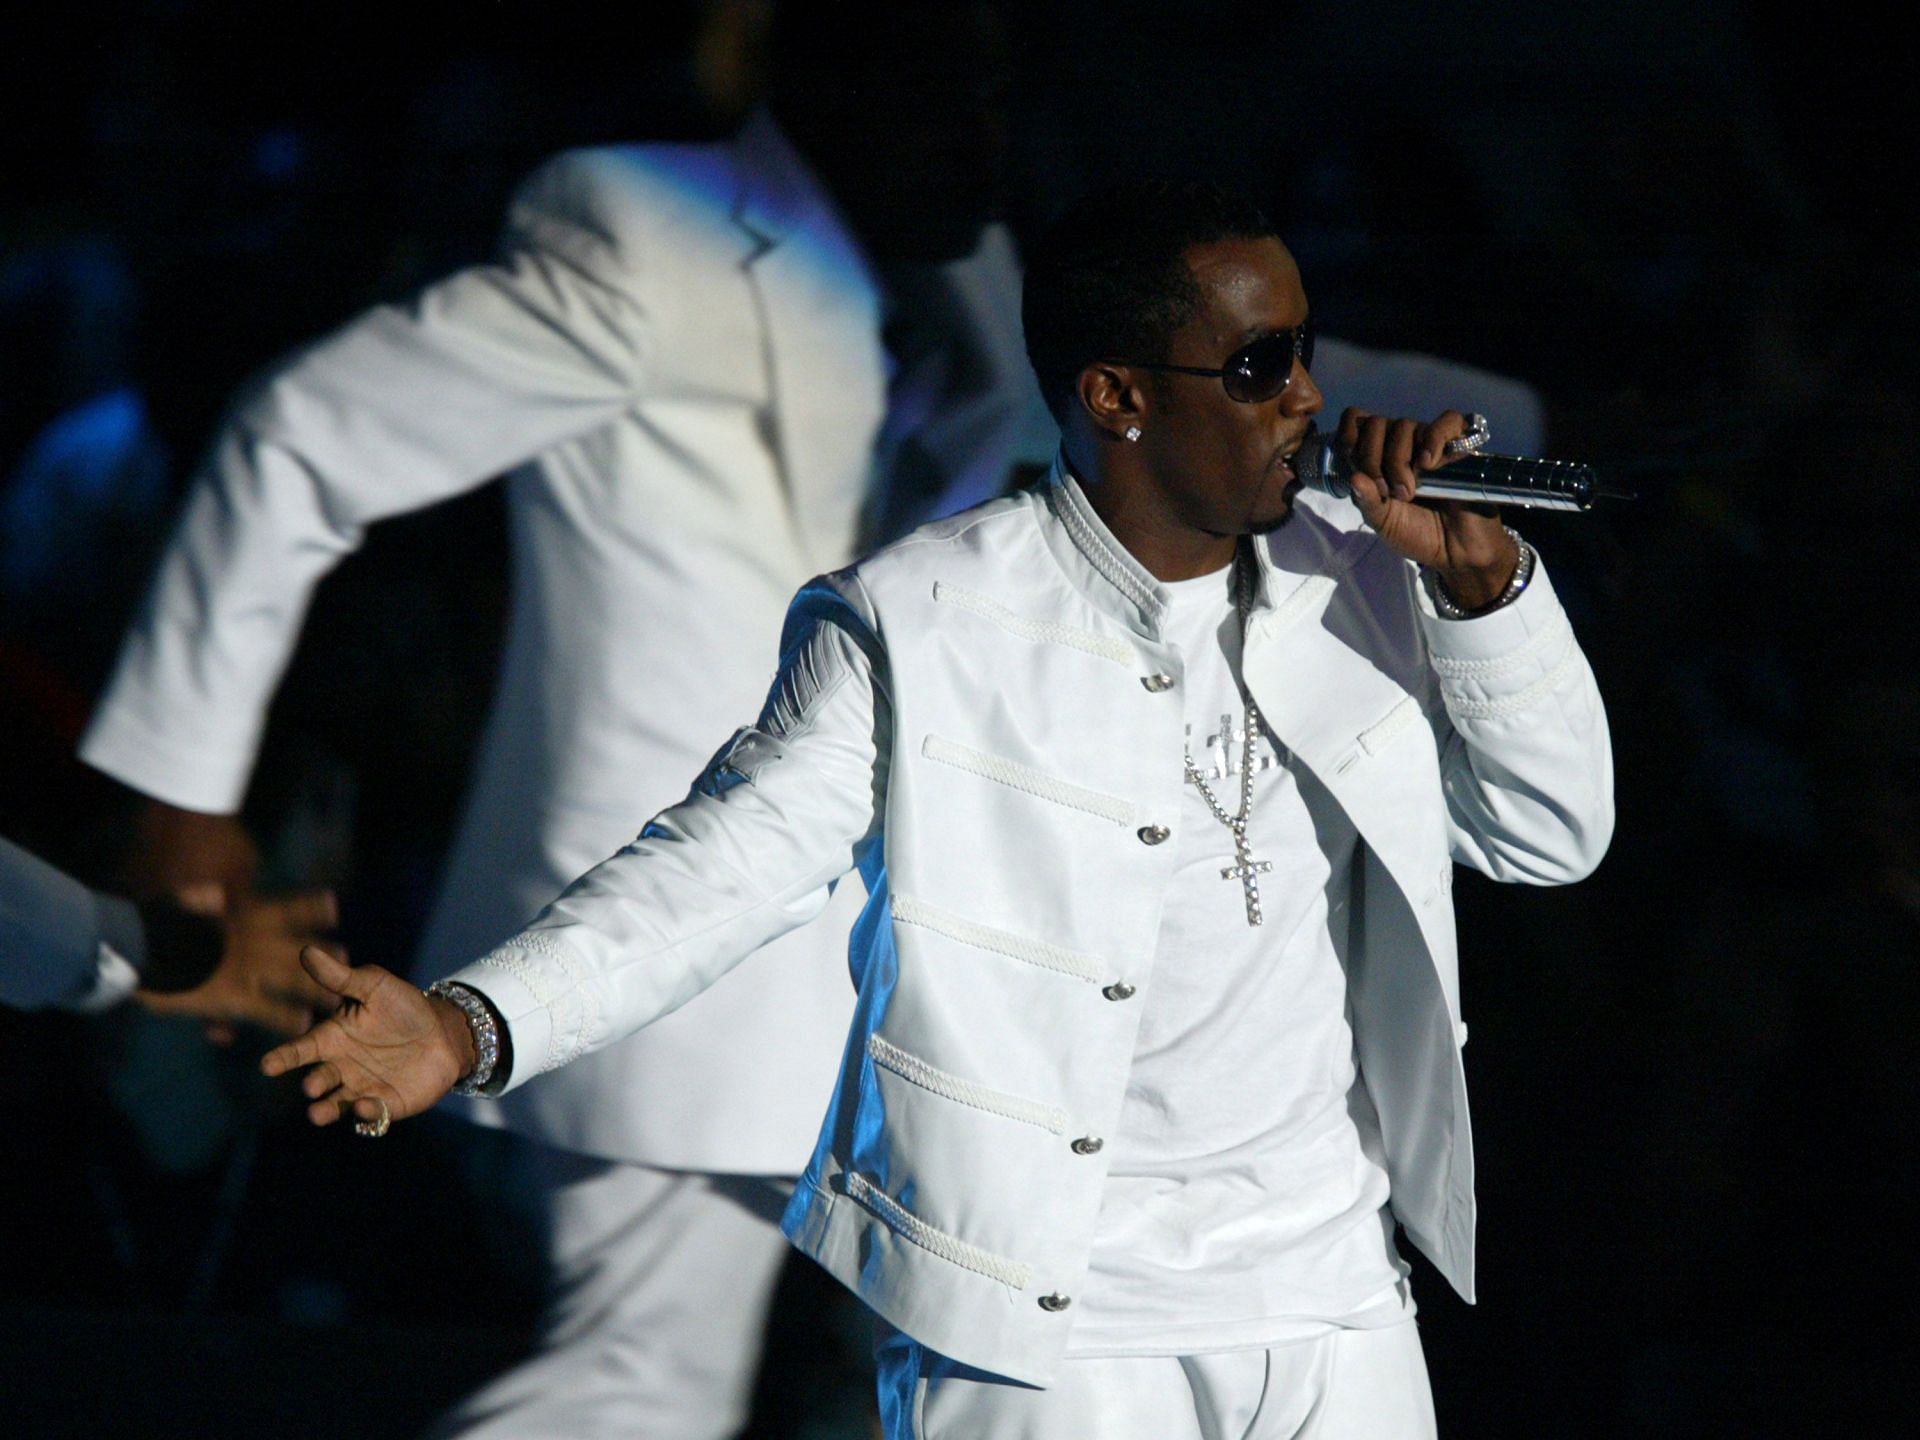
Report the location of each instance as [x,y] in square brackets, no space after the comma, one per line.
[779,191]
[1123,586]
[1297,563]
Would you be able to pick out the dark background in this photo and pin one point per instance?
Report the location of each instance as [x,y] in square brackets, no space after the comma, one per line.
[1693,1077]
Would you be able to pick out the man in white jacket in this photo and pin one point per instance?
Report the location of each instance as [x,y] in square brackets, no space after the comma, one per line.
[1155,777]
[679,356]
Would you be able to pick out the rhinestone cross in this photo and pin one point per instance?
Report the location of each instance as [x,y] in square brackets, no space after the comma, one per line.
[1245,868]
[1247,871]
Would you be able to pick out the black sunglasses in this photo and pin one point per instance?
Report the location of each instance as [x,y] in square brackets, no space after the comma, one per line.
[1258,370]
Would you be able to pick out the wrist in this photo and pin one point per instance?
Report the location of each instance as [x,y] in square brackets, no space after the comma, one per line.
[1463,593]
[457,1032]
[1477,586]
[486,1049]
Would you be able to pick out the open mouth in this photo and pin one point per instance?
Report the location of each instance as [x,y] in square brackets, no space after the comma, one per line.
[1284,463]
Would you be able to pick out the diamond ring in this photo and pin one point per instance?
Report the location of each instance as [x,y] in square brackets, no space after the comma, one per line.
[374,1129]
[1476,436]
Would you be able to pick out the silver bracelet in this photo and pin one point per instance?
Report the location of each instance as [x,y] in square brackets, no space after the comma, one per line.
[1451,609]
[486,1034]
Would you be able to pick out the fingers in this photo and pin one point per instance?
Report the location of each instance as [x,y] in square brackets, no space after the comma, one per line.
[202,897]
[303,994]
[294,986]
[334,974]
[303,1050]
[1396,458]
[1396,451]
[371,1108]
[327,1112]
[1347,433]
[340,1106]
[333,1093]
[1449,426]
[282,1017]
[304,913]
[284,977]
[323,1079]
[1371,496]
[1369,441]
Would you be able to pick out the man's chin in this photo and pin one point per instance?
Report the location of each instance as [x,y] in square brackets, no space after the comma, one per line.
[1267,527]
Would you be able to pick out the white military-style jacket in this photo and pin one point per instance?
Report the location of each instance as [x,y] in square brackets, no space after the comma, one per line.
[985,720]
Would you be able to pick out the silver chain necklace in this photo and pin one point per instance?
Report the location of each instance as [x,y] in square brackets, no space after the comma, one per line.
[1245,868]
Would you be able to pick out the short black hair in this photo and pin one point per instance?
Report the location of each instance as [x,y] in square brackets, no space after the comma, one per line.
[1110,280]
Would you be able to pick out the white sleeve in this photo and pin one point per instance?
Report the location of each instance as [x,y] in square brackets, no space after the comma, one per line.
[405,406]
[62,944]
[1525,755]
[113,981]
[786,808]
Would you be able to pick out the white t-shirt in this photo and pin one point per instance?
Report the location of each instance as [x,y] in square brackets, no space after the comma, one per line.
[1245,1204]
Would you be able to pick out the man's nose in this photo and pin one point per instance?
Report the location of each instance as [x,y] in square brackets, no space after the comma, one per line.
[1302,396]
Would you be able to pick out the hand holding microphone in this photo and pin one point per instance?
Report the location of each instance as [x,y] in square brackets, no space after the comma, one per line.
[1471,473]
[1383,465]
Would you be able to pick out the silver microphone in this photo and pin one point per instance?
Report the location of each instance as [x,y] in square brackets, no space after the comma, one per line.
[1478,476]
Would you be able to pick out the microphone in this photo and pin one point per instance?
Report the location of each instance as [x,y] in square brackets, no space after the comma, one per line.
[1478,476]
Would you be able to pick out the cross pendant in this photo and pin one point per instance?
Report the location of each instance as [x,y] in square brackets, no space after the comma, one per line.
[1247,871]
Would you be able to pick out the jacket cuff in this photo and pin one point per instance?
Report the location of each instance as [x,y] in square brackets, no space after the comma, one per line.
[1504,661]
[511,982]
[121,929]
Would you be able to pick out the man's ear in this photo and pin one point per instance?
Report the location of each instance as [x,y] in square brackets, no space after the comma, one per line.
[1112,398]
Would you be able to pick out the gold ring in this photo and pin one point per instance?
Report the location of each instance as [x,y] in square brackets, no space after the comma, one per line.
[374,1129]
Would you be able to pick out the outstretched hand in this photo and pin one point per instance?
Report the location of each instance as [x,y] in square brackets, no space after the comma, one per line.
[1464,541]
[388,1044]
[259,979]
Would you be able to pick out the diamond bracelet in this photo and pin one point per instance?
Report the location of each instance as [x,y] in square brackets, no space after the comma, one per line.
[486,1033]
[1451,609]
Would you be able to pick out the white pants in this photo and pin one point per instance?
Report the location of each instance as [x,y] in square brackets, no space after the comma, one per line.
[1349,1385]
[653,1331]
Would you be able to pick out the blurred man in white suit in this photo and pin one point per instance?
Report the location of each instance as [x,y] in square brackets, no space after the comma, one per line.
[679,357]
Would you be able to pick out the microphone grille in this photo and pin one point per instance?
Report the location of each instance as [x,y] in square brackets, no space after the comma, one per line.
[1318,466]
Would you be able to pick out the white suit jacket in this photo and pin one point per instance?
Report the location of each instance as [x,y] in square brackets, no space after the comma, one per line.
[984,719]
[679,348]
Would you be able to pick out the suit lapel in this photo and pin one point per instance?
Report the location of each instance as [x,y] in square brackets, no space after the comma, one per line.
[1300,673]
[822,313]
[1330,677]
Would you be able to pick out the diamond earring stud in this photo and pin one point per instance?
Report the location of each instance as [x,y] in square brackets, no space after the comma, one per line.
[1133,432]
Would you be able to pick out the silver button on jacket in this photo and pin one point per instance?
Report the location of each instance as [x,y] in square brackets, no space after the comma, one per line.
[1153,834]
